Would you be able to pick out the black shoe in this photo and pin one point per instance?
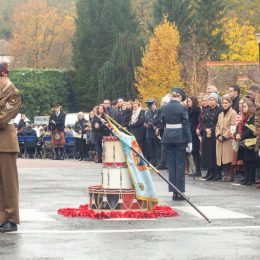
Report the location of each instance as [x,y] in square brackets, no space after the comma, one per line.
[180,197]
[8,226]
[174,196]
[210,178]
[206,176]
[162,167]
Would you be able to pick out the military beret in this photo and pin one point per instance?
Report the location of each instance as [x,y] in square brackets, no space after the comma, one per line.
[4,68]
[179,91]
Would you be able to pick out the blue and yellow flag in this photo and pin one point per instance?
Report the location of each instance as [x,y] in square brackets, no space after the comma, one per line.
[138,169]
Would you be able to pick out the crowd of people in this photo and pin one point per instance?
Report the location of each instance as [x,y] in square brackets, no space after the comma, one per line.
[224,132]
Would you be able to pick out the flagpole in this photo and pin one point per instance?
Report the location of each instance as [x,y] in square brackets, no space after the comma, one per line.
[121,127]
[167,181]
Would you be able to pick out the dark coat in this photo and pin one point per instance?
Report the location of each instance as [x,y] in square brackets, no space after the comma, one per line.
[194,114]
[59,120]
[115,114]
[100,132]
[151,119]
[235,104]
[248,154]
[80,125]
[137,129]
[175,113]
[209,143]
[125,117]
[21,125]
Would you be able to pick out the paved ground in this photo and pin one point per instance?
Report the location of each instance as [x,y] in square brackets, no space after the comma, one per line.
[49,185]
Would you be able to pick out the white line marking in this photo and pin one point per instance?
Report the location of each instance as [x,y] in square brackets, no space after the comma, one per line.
[213,212]
[133,230]
[34,215]
[236,184]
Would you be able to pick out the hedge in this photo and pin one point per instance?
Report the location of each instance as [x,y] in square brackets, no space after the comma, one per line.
[41,89]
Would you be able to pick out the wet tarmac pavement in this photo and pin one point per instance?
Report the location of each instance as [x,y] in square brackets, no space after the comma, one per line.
[46,186]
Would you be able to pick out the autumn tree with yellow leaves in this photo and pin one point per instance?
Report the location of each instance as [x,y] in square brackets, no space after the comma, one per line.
[160,69]
[41,35]
[240,40]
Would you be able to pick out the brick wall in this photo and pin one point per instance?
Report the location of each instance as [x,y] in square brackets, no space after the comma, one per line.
[223,74]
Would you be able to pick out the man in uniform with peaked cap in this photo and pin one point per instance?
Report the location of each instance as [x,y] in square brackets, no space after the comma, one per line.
[10,104]
[176,139]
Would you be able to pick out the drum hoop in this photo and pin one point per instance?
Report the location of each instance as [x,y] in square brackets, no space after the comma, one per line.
[118,164]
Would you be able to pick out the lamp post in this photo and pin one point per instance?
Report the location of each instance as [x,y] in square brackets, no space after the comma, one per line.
[257,35]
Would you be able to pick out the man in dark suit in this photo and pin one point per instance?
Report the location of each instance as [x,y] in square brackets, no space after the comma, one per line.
[234,92]
[56,126]
[176,139]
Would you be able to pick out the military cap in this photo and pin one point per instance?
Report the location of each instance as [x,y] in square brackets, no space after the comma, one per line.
[179,91]
[150,101]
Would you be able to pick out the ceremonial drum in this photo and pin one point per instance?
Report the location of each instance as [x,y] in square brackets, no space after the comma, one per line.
[114,199]
[116,178]
[113,153]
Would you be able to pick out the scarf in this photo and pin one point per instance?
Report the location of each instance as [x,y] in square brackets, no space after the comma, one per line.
[135,116]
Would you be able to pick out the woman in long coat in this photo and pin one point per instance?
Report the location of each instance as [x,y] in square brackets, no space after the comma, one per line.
[136,125]
[209,123]
[244,133]
[194,113]
[100,131]
[225,130]
[80,129]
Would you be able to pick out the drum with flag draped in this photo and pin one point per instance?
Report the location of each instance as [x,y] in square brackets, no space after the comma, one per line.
[113,153]
[116,178]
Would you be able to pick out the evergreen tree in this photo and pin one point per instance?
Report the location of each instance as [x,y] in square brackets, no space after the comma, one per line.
[202,17]
[178,11]
[117,75]
[207,20]
[97,26]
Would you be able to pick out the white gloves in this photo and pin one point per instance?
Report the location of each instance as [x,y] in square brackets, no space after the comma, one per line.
[189,148]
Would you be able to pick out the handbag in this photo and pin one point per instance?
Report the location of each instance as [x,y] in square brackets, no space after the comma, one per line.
[235,145]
